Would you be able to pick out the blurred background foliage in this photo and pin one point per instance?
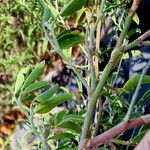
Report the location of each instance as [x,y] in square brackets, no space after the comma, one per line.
[22,41]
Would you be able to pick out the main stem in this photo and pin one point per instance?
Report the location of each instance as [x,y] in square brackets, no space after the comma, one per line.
[93,99]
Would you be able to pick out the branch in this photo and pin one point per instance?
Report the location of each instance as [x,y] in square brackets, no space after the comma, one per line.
[108,135]
[91,68]
[94,65]
[132,11]
[138,42]
[99,116]
[100,13]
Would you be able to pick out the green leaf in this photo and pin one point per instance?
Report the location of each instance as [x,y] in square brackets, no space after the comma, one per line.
[46,14]
[47,94]
[52,9]
[136,19]
[62,136]
[71,39]
[21,78]
[52,102]
[71,126]
[73,118]
[49,10]
[58,97]
[132,82]
[63,33]
[79,83]
[146,95]
[28,98]
[35,86]
[60,116]
[134,53]
[133,31]
[19,82]
[26,70]
[34,74]
[67,53]
[71,7]
[144,98]
[79,14]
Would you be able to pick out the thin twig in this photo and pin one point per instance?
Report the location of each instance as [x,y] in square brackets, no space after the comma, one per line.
[98,38]
[90,61]
[94,65]
[134,97]
[99,116]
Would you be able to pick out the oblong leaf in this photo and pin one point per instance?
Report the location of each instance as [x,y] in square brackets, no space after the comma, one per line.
[70,40]
[133,53]
[34,74]
[46,14]
[58,97]
[19,82]
[144,98]
[136,19]
[21,78]
[62,136]
[132,82]
[26,70]
[51,103]
[60,116]
[71,7]
[73,118]
[47,94]
[63,33]
[28,98]
[71,126]
[35,86]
